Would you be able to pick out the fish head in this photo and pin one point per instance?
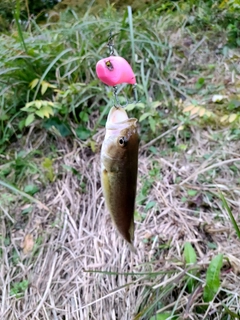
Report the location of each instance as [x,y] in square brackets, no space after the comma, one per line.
[121,138]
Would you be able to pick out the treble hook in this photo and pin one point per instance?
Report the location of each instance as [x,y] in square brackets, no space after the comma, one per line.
[135,94]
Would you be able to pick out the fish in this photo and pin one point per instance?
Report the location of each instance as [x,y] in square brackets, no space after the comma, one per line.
[119,168]
[115,70]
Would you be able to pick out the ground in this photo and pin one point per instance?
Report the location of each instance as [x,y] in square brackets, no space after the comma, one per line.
[80,268]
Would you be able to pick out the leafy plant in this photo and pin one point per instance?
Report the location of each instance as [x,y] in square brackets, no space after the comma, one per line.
[231,216]
[213,278]
[47,164]
[190,258]
[18,288]
[40,108]
[163,316]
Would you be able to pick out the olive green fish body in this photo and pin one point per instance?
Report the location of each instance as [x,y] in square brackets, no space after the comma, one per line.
[119,165]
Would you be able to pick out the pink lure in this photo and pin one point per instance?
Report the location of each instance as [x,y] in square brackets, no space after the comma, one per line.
[115,70]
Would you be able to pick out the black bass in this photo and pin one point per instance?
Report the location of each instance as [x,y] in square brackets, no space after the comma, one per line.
[119,166]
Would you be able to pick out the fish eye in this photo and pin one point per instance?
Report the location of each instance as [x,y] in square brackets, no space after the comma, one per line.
[109,65]
[122,141]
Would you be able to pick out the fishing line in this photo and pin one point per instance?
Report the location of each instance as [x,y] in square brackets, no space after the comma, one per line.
[110,45]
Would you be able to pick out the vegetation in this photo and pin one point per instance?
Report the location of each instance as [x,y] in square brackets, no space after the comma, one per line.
[60,255]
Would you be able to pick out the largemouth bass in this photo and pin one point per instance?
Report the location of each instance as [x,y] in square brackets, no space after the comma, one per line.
[119,166]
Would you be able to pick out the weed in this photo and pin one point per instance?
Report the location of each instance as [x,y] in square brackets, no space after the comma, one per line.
[18,288]
[231,216]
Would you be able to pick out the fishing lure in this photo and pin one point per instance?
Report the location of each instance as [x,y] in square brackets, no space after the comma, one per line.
[115,70]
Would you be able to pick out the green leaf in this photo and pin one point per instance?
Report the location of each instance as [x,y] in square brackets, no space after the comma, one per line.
[155,104]
[83,133]
[44,87]
[190,257]
[19,288]
[132,106]
[47,164]
[45,111]
[30,118]
[152,123]
[192,193]
[3,115]
[84,116]
[31,189]
[211,245]
[29,104]
[231,216]
[163,316]
[21,124]
[213,278]
[232,117]
[61,126]
[27,210]
[33,83]
[154,150]
[38,103]
[144,116]
[150,205]
[138,216]
[200,83]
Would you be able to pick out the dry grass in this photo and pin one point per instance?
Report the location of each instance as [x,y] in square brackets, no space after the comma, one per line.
[82,269]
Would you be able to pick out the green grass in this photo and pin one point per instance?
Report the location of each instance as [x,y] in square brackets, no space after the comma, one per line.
[65,53]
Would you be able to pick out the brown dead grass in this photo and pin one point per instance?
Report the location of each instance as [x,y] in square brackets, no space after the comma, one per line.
[82,269]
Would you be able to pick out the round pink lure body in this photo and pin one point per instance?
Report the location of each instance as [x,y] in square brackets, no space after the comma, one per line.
[115,70]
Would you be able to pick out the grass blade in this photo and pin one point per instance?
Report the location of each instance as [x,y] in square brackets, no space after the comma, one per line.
[190,257]
[213,278]
[17,17]
[130,21]
[229,211]
[48,69]
[23,194]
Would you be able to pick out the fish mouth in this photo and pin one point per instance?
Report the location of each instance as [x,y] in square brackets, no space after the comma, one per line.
[116,116]
[118,121]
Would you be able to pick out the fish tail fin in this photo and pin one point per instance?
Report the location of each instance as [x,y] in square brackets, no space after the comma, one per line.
[132,248]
